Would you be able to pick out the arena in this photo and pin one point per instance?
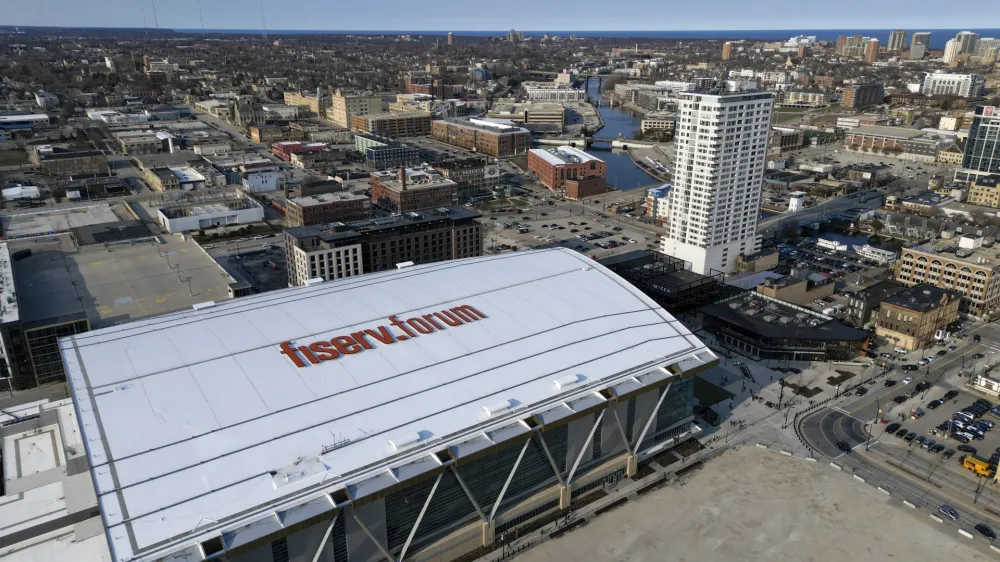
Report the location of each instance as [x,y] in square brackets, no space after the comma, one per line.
[413,414]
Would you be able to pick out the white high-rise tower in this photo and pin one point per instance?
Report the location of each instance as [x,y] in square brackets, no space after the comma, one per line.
[721,144]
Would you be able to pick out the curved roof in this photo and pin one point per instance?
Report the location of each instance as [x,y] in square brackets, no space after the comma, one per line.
[241,417]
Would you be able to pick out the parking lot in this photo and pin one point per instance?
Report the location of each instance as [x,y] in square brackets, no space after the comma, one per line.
[596,234]
[916,399]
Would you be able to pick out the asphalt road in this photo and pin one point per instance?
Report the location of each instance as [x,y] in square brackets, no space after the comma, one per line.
[913,474]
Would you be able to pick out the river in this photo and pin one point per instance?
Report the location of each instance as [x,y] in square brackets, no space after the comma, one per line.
[622,173]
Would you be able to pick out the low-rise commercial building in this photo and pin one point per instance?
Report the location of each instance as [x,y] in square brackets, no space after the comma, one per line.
[551,91]
[916,316]
[863,302]
[801,287]
[665,123]
[867,120]
[964,265]
[404,124]
[57,162]
[894,142]
[761,327]
[985,191]
[139,142]
[569,168]
[785,139]
[340,250]
[186,218]
[475,178]
[411,189]
[803,98]
[325,208]
[481,135]
[536,116]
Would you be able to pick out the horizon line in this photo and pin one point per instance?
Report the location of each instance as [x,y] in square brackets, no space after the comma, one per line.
[499,31]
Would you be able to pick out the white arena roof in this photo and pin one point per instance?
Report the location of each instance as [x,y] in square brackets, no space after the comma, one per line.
[240,418]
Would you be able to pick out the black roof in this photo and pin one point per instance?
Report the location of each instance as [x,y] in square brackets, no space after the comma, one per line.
[824,330]
[921,298]
[105,232]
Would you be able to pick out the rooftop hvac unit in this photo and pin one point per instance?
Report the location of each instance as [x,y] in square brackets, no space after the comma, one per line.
[569,381]
[499,407]
[768,318]
[409,441]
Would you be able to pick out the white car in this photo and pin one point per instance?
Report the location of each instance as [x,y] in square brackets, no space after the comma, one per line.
[907,380]
[899,350]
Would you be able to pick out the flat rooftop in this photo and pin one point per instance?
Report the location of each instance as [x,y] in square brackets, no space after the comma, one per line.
[984,256]
[325,198]
[8,300]
[922,298]
[330,233]
[497,127]
[895,132]
[118,283]
[529,335]
[35,223]
[562,155]
[779,319]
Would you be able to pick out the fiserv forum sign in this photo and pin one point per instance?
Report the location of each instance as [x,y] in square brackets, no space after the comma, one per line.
[397,331]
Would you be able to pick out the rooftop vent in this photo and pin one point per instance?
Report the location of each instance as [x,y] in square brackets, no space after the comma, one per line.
[313,281]
[499,407]
[201,305]
[568,381]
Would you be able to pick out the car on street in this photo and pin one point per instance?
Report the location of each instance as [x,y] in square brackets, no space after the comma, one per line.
[887,355]
[948,454]
[975,356]
[942,353]
[949,512]
[977,338]
[861,391]
[899,350]
[890,382]
[922,386]
[952,347]
[843,446]
[933,404]
[907,380]
[950,394]
[899,399]
[986,531]
[923,361]
[910,367]
[967,449]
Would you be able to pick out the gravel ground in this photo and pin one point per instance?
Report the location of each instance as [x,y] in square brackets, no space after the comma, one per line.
[751,504]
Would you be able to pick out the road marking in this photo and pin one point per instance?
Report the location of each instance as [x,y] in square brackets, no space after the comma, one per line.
[841,410]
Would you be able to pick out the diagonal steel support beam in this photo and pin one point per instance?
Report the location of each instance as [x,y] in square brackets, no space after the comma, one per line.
[381,547]
[326,537]
[468,492]
[621,428]
[590,437]
[652,416]
[496,504]
[552,460]
[423,510]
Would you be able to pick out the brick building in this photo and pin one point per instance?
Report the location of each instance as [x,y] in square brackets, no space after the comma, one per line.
[483,136]
[334,251]
[862,96]
[403,124]
[412,189]
[569,168]
[325,208]
[475,177]
[913,318]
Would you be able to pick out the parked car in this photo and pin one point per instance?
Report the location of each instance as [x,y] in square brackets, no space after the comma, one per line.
[861,391]
[950,394]
[967,449]
[899,399]
[910,367]
[910,437]
[948,454]
[977,338]
[933,404]
[942,353]
[843,446]
[892,428]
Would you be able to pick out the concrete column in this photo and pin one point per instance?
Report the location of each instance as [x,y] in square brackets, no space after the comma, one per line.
[489,532]
[565,497]
[631,465]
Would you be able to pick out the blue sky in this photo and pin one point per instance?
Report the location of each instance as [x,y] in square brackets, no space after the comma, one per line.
[497,15]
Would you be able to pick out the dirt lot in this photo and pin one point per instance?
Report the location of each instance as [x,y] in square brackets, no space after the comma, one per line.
[755,505]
